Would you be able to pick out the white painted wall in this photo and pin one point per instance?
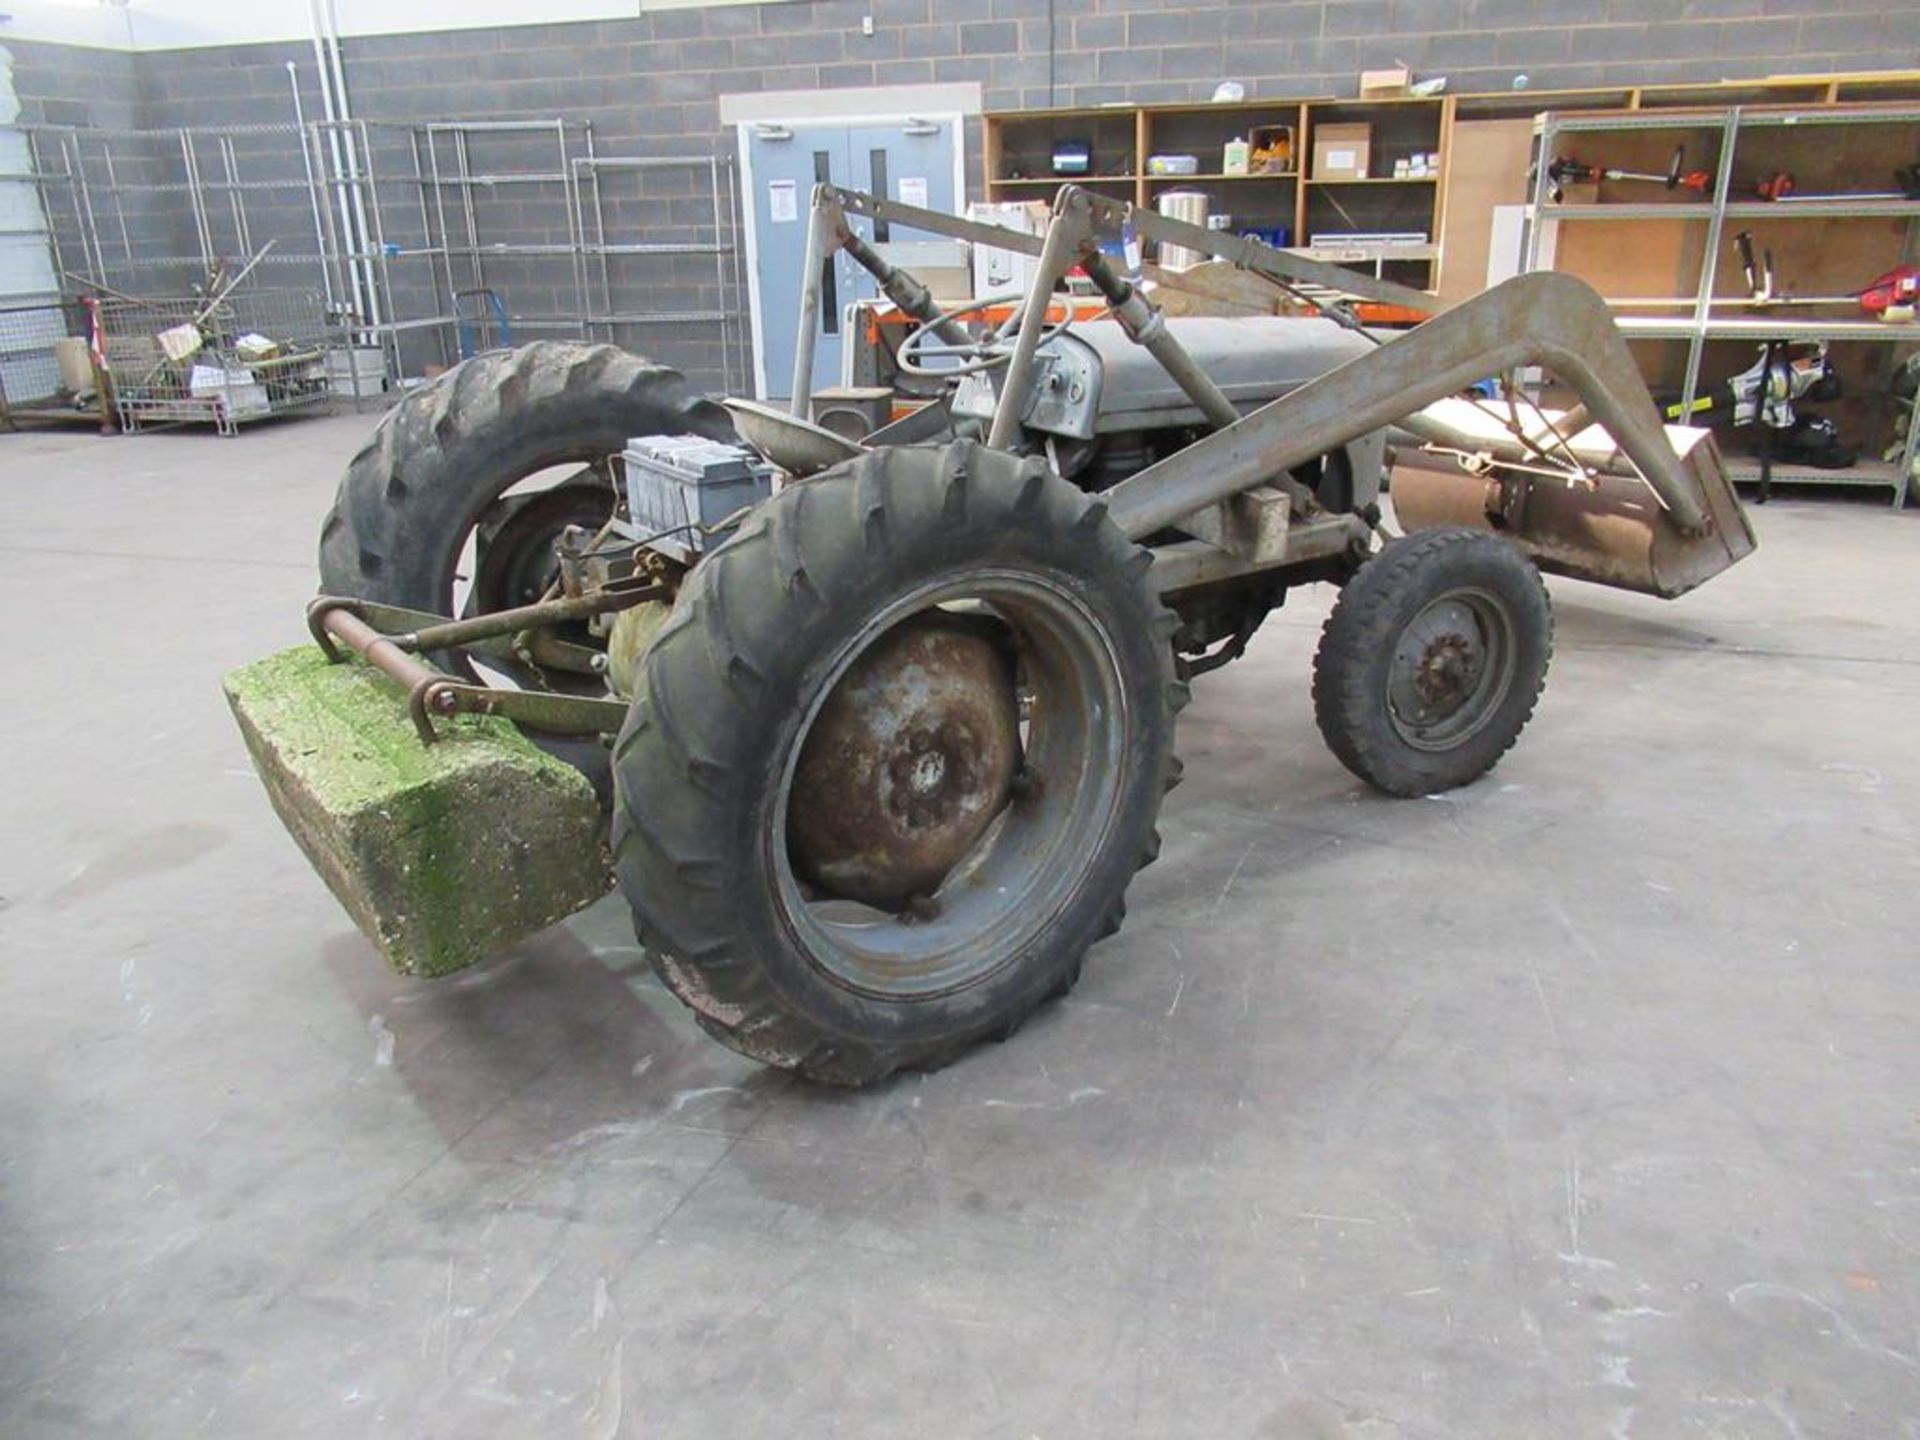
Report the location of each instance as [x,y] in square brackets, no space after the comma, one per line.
[186,24]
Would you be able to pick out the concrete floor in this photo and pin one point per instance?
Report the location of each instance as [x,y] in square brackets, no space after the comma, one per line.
[1585,1101]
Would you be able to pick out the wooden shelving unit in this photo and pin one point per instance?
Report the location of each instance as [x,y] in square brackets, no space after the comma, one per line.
[1014,160]
[1679,290]
[1018,166]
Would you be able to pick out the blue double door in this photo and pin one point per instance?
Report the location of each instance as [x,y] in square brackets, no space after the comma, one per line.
[911,161]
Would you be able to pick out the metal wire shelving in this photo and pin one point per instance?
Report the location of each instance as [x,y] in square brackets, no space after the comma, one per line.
[391,224]
[1708,315]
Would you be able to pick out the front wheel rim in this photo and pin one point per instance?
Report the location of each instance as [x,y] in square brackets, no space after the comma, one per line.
[1040,852]
[1452,667]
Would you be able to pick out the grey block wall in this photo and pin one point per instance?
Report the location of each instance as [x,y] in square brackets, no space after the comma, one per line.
[70,85]
[654,80]
[651,84]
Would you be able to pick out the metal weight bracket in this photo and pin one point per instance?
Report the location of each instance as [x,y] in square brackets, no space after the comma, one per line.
[391,638]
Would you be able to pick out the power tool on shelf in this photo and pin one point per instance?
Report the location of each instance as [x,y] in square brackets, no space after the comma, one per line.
[1565,170]
[1780,186]
[1890,297]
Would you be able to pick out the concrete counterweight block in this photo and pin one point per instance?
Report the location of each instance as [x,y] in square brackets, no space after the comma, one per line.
[442,854]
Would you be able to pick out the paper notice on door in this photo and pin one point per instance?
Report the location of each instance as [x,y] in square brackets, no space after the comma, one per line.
[783,202]
[913,190]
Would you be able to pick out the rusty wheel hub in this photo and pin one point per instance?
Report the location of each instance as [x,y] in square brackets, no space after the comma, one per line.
[1446,670]
[907,763]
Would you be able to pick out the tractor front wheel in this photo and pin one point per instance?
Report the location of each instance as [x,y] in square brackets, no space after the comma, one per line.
[894,759]
[1433,658]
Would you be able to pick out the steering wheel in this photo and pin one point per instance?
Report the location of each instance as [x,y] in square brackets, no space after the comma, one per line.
[914,349]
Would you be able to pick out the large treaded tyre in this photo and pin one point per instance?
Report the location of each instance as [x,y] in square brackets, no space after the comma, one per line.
[446,453]
[762,632]
[1432,661]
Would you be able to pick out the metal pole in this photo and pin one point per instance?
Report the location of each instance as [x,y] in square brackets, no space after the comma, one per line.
[593,178]
[426,247]
[348,271]
[572,247]
[377,237]
[89,229]
[720,275]
[341,283]
[448,353]
[119,206]
[1067,236]
[464,156]
[1710,259]
[742,341]
[229,163]
[820,245]
[43,179]
[362,231]
[313,195]
[196,200]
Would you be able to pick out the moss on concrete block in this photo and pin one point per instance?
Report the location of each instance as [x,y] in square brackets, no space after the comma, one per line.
[443,853]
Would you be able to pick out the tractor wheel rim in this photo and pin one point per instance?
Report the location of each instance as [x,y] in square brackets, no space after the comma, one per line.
[513,562]
[1452,666]
[1032,858]
[517,563]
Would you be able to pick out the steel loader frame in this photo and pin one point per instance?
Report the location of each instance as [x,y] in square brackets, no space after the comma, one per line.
[1546,319]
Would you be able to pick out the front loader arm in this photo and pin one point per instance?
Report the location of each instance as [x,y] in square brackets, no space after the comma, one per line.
[1541,318]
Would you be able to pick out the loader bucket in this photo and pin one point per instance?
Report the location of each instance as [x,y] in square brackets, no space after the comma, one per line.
[1612,530]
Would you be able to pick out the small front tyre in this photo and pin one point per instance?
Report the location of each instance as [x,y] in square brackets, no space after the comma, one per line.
[894,759]
[1432,661]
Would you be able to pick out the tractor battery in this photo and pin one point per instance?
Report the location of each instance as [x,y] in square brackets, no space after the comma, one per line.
[680,486]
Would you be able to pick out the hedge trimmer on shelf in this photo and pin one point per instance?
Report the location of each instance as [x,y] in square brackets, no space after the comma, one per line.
[1780,186]
[1890,297]
[1565,170]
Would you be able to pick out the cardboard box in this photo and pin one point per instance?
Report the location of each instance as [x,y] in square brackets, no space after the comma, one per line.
[1342,152]
[1272,149]
[204,382]
[1385,84]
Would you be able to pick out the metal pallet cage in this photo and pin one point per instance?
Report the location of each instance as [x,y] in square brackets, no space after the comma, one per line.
[406,227]
[251,355]
[34,386]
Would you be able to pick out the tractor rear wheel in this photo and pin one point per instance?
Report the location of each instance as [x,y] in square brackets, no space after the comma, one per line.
[436,473]
[1432,661]
[894,759]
